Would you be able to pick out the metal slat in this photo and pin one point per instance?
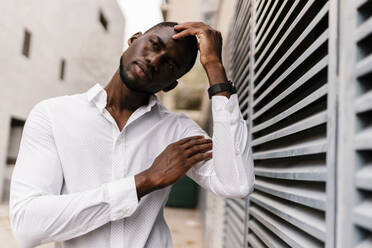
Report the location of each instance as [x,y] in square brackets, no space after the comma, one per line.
[364,30]
[363,178]
[304,195]
[312,147]
[312,172]
[362,214]
[288,233]
[266,237]
[364,66]
[298,41]
[309,122]
[364,139]
[316,95]
[364,103]
[323,63]
[304,219]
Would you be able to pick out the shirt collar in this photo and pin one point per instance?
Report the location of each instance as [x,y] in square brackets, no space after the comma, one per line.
[98,95]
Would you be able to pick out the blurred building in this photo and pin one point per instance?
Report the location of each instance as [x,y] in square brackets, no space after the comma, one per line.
[51,48]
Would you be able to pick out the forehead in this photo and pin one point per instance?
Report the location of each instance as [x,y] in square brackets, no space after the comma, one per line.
[178,49]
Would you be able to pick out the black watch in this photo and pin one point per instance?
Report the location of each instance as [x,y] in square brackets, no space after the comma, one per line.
[227,86]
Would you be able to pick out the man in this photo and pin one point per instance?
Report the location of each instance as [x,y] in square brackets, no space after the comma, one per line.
[95,169]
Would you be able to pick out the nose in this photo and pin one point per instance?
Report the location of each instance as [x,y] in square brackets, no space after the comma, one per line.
[154,60]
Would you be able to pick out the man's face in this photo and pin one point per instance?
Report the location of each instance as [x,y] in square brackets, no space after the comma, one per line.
[154,61]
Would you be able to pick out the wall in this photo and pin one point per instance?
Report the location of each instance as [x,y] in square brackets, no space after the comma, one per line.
[59,29]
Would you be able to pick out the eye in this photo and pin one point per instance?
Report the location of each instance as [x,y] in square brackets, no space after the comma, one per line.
[155,45]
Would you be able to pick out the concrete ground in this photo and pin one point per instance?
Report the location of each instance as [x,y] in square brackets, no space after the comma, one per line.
[185,227]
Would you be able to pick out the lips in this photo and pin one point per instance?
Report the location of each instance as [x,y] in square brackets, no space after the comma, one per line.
[142,71]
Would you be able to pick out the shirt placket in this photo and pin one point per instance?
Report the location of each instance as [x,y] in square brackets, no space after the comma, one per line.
[117,227]
[117,172]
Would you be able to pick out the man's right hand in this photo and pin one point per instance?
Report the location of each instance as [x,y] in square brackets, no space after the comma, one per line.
[176,159]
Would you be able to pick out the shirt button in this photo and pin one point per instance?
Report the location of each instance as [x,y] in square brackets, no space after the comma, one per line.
[124,211]
[230,109]
[237,151]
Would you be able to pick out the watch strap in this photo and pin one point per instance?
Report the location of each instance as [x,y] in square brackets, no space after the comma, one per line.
[220,87]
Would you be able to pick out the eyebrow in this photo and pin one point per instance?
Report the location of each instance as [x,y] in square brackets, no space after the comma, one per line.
[162,44]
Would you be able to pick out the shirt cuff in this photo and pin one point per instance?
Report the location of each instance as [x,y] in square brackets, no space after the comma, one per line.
[226,109]
[123,198]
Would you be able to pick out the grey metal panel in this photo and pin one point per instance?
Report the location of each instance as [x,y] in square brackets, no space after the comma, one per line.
[355,161]
[283,72]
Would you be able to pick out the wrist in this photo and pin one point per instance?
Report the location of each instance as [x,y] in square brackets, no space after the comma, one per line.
[215,72]
[145,183]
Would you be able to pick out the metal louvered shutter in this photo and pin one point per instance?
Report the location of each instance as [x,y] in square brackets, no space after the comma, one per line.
[281,58]
[355,131]
[239,59]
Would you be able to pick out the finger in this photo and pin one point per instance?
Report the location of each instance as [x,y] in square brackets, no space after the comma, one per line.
[194,142]
[185,25]
[184,140]
[208,156]
[186,32]
[198,149]
[200,157]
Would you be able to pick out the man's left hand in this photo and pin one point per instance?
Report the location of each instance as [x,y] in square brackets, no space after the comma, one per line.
[210,40]
[210,47]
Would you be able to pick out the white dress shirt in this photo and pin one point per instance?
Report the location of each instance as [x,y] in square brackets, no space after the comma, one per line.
[73,182]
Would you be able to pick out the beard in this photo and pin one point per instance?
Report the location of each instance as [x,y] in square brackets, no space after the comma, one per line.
[132,85]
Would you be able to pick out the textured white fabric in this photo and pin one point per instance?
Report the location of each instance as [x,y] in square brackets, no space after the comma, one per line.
[73,181]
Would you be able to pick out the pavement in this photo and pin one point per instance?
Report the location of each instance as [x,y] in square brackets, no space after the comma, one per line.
[185,226]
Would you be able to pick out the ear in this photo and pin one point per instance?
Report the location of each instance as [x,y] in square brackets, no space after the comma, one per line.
[170,87]
[134,37]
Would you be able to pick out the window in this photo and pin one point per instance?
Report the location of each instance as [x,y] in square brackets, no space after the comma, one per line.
[103,20]
[26,43]
[16,128]
[15,135]
[62,69]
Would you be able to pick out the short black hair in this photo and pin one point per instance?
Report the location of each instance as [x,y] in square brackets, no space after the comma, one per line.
[191,41]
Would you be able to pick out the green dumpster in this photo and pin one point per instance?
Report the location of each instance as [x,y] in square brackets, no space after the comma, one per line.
[183,194]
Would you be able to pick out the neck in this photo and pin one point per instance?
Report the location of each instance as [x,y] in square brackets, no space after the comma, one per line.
[121,98]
